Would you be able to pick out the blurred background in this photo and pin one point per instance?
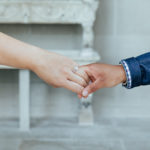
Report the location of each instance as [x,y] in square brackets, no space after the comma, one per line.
[122,117]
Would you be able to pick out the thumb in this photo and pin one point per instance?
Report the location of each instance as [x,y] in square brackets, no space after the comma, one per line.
[91,88]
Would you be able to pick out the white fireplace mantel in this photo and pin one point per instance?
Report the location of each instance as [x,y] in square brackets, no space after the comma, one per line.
[48,11]
[81,12]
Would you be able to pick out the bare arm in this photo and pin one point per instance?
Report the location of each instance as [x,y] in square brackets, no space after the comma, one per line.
[53,68]
[16,53]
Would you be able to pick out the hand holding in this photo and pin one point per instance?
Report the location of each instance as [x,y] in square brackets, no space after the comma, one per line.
[57,70]
[53,68]
[103,76]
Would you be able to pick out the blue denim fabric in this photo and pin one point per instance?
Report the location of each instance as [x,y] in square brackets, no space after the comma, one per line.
[139,68]
[128,82]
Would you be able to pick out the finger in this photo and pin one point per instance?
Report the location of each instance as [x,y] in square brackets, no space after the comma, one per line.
[94,86]
[77,79]
[88,71]
[83,75]
[74,87]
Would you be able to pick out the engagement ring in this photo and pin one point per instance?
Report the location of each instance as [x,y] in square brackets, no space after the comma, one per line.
[75,69]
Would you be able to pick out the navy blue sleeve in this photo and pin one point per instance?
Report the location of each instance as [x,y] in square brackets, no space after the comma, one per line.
[139,70]
[144,62]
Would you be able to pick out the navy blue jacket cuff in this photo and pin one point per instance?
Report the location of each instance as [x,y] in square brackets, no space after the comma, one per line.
[135,71]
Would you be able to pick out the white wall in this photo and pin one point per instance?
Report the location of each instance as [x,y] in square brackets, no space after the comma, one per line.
[122,30]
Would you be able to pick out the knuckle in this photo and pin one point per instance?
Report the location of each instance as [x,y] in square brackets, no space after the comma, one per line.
[87,78]
[83,82]
[79,91]
[64,70]
[58,84]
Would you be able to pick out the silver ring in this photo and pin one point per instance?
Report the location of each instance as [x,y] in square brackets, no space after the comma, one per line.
[75,69]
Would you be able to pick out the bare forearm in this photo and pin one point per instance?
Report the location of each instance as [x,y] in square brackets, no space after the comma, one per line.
[53,68]
[16,53]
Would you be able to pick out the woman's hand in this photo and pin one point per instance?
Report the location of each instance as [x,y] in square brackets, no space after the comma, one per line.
[53,68]
[57,70]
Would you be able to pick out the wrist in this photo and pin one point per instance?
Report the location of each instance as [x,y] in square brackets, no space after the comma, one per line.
[36,58]
[40,59]
[122,74]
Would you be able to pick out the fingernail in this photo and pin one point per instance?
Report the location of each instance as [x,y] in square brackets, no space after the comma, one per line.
[85,93]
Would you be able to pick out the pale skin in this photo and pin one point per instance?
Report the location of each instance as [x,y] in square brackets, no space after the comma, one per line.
[102,76]
[53,68]
[57,70]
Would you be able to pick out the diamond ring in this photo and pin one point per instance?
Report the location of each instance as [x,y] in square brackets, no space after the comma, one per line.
[75,69]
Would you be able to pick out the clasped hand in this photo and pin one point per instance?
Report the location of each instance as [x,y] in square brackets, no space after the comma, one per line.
[57,70]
